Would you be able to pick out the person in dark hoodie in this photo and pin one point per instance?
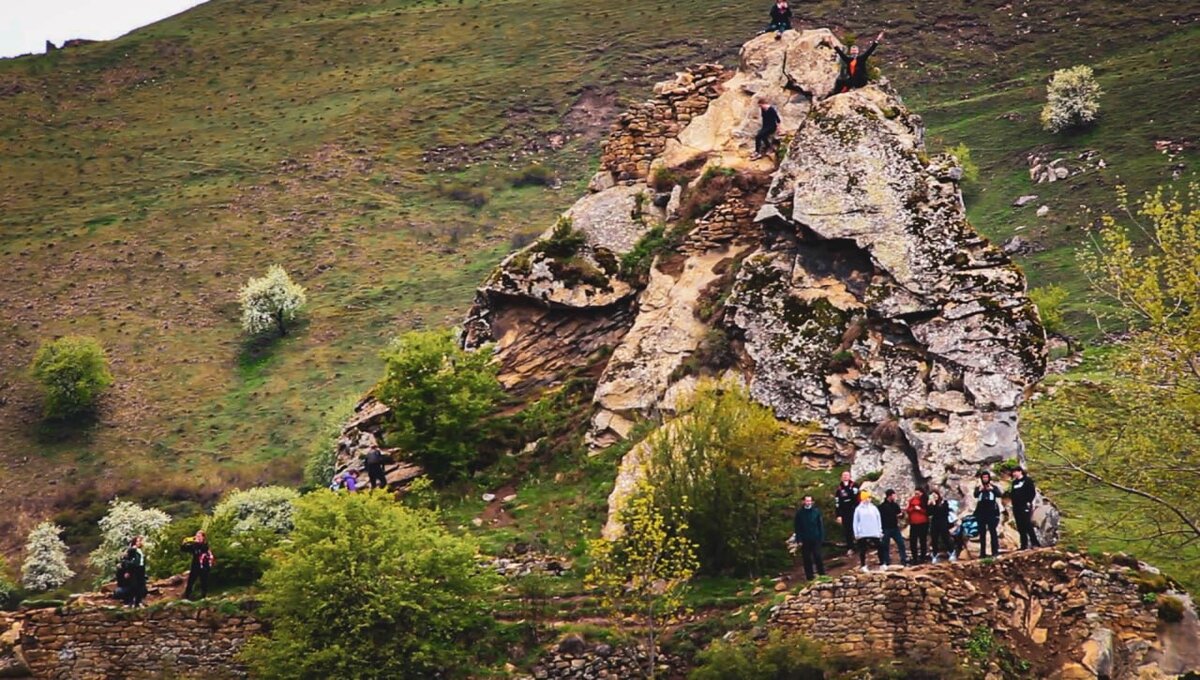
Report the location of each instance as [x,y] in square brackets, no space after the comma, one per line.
[854,66]
[202,563]
[890,514]
[781,18]
[764,140]
[846,501]
[987,513]
[131,577]
[374,463]
[939,525]
[810,533]
[1022,493]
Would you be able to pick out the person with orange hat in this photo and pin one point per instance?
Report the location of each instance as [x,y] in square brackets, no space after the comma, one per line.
[868,530]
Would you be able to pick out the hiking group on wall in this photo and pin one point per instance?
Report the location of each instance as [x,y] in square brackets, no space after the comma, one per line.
[936,530]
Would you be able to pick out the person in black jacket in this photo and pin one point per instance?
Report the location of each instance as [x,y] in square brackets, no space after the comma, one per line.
[1022,493]
[131,574]
[781,18]
[374,464]
[770,123]
[846,501]
[890,514]
[810,533]
[987,513]
[854,66]
[202,563]
[939,525]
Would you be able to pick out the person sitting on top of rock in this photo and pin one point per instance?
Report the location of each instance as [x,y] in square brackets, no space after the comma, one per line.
[781,18]
[854,66]
[764,140]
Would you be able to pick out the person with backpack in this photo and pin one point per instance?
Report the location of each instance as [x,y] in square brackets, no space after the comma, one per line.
[810,534]
[845,502]
[1022,493]
[131,574]
[854,66]
[202,563]
[890,514]
[987,513]
[939,525]
[765,139]
[374,463]
[868,530]
[781,18]
[918,526]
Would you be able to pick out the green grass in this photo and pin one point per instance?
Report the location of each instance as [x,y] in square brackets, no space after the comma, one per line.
[147,178]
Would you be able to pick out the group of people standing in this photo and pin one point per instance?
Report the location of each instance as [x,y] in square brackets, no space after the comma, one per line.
[132,575]
[935,531]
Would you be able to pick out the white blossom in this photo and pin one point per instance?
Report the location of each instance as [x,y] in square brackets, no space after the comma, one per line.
[270,302]
[1072,99]
[124,521]
[45,566]
[264,507]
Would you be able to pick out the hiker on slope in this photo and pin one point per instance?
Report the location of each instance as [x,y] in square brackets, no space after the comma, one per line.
[854,66]
[764,140]
[868,530]
[890,514]
[374,463]
[1022,493]
[987,513]
[846,499]
[810,533]
[918,526]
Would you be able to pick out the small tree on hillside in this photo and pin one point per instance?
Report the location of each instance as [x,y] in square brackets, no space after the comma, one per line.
[647,569]
[270,302]
[264,507]
[117,528]
[45,566]
[74,372]
[1072,99]
[439,395]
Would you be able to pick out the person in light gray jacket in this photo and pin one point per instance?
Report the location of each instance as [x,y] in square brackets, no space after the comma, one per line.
[868,530]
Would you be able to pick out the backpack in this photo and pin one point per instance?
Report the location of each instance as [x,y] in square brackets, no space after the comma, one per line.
[970,526]
[207,559]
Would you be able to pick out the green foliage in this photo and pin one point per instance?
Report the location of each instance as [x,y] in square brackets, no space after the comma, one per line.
[242,557]
[981,644]
[1072,99]
[371,589]
[322,457]
[564,241]
[728,460]
[264,507]
[439,395]
[970,170]
[10,593]
[665,179]
[780,657]
[1170,608]
[118,527]
[421,494]
[1049,300]
[73,370]
[534,174]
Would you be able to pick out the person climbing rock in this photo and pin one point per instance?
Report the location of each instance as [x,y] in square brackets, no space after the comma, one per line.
[854,66]
[918,526]
[987,513]
[131,574]
[845,499]
[939,525]
[374,463]
[202,563]
[781,18]
[348,481]
[868,530]
[810,533]
[764,140]
[1022,493]
[890,514]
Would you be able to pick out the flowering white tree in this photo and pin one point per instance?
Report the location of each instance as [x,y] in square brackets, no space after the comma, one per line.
[124,521]
[270,302]
[45,564]
[264,507]
[1072,99]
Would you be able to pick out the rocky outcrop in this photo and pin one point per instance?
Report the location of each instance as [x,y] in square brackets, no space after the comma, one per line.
[576,659]
[363,432]
[1065,615]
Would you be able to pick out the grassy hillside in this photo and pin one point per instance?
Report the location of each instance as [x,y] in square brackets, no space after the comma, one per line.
[380,151]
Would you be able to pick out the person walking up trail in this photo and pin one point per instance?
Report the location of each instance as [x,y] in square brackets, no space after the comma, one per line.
[868,530]
[1022,492]
[810,533]
[765,139]
[781,18]
[374,463]
[939,525]
[846,499]
[987,513]
[854,66]
[890,514]
[918,526]
[202,563]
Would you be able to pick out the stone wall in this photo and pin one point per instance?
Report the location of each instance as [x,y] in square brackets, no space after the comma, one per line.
[1068,616]
[641,133]
[575,659]
[177,640]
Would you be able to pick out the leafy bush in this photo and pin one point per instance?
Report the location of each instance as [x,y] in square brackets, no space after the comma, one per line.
[322,458]
[117,528]
[242,557]
[74,372]
[635,264]
[729,460]
[265,507]
[970,170]
[45,566]
[534,174]
[439,395]
[10,594]
[564,241]
[369,588]
[1170,608]
[781,657]
[270,302]
[1072,99]
[1049,301]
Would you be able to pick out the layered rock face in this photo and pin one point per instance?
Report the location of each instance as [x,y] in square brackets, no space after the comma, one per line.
[844,285]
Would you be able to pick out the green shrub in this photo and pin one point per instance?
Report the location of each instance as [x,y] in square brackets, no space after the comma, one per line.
[665,179]
[1170,608]
[981,644]
[439,395]
[267,508]
[241,557]
[1049,301]
[10,593]
[73,370]
[781,657]
[369,588]
[970,170]
[1149,582]
[534,174]
[564,241]
[635,264]
[322,458]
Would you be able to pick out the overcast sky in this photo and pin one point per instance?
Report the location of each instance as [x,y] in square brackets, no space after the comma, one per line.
[26,25]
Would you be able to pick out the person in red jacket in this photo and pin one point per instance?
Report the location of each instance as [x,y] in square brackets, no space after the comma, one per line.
[918,526]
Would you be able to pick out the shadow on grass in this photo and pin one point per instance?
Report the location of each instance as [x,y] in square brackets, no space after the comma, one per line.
[256,351]
[75,430]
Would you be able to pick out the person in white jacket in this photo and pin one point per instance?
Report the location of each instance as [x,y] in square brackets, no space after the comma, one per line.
[868,529]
